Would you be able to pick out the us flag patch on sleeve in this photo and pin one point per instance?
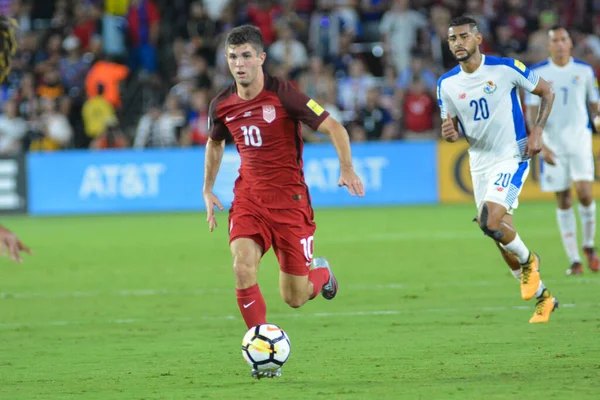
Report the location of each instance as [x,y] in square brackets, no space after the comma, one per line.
[315,107]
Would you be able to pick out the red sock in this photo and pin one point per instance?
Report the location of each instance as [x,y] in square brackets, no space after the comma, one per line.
[252,305]
[318,277]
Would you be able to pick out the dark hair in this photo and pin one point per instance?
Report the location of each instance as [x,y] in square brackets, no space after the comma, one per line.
[246,34]
[557,27]
[460,21]
[8,44]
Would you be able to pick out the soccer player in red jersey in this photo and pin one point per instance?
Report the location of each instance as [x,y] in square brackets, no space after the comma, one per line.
[271,205]
[9,242]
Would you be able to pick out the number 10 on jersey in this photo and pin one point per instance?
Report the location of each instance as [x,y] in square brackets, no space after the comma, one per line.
[252,136]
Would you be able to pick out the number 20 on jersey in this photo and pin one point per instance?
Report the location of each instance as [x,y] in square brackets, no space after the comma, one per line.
[481,109]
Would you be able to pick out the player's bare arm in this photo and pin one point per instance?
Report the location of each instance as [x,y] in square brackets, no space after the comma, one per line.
[11,245]
[531,118]
[534,142]
[341,141]
[450,129]
[212,163]
[531,114]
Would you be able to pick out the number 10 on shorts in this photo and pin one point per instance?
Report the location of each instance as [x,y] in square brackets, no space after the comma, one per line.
[307,245]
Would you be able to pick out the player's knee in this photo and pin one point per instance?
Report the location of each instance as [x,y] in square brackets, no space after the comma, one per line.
[489,223]
[586,201]
[585,197]
[564,200]
[244,270]
[294,300]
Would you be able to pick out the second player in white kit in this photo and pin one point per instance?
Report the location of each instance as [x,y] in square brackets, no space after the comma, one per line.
[480,98]
[567,156]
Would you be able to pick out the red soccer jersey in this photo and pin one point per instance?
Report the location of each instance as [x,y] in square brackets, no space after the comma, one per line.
[268,137]
[418,112]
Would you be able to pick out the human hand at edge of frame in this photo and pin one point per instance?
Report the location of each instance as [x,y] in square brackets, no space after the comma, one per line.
[349,179]
[449,134]
[211,200]
[11,245]
[534,142]
[548,156]
[597,123]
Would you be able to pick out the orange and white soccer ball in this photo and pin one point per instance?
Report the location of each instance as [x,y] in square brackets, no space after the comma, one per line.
[266,347]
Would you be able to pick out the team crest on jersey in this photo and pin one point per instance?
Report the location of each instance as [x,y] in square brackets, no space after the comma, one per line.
[576,79]
[490,87]
[269,113]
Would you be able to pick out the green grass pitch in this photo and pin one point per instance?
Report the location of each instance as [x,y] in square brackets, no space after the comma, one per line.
[143,307]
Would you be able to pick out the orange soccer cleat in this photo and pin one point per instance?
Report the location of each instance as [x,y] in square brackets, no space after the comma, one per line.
[530,277]
[545,305]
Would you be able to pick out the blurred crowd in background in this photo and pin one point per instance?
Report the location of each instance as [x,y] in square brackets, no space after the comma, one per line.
[141,73]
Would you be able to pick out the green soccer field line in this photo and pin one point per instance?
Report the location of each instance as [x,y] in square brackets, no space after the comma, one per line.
[501,282]
[124,321]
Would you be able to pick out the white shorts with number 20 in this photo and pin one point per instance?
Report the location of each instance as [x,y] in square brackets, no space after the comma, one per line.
[501,184]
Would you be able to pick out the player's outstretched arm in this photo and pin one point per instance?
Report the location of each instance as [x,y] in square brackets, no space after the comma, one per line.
[10,243]
[341,141]
[534,141]
[212,163]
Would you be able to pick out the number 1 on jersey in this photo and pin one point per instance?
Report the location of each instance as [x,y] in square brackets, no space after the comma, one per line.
[565,91]
[252,136]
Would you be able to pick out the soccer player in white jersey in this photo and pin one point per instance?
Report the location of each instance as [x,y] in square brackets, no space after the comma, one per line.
[567,156]
[480,99]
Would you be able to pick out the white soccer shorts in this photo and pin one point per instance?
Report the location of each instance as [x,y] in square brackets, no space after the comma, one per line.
[568,169]
[501,184]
